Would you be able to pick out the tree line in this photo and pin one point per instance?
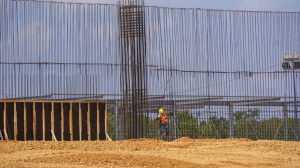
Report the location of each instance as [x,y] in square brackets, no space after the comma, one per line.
[246,124]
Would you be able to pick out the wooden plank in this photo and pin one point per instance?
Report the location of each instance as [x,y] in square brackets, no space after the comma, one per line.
[80,122]
[107,137]
[62,122]
[53,135]
[34,122]
[5,134]
[98,122]
[25,122]
[4,117]
[88,122]
[4,121]
[43,121]
[71,121]
[56,101]
[15,122]
[52,119]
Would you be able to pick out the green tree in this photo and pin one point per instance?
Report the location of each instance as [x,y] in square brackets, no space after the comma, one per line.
[246,123]
[220,125]
[150,127]
[275,128]
[111,125]
[187,124]
[147,125]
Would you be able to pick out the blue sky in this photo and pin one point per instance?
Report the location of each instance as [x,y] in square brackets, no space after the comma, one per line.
[252,5]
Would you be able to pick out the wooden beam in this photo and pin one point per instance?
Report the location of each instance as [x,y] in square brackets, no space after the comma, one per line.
[15,122]
[98,122]
[5,134]
[57,101]
[88,122]
[5,121]
[71,121]
[80,122]
[107,137]
[25,122]
[44,121]
[53,135]
[34,122]
[62,121]
[52,119]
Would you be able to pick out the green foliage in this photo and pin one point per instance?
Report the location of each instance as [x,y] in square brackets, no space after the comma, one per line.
[277,128]
[147,125]
[220,127]
[249,114]
[186,124]
[111,125]
[246,124]
[150,126]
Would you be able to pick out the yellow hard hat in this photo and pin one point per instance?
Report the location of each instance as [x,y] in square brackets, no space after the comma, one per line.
[161,111]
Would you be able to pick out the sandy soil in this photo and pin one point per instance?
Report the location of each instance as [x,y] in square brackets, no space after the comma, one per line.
[184,152]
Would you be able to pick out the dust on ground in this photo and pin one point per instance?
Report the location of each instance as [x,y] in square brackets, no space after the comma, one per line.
[184,152]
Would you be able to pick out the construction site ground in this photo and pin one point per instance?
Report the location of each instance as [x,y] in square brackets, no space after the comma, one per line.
[183,152]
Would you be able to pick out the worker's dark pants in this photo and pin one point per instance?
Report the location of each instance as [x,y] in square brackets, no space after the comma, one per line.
[164,126]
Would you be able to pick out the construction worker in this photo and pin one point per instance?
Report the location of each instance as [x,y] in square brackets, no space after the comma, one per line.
[163,122]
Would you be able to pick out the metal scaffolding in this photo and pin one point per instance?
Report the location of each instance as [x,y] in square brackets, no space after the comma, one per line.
[217,73]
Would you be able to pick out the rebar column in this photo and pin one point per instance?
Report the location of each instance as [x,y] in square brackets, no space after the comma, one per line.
[133,72]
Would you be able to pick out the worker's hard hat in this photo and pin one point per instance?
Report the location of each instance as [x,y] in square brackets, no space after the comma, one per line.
[161,111]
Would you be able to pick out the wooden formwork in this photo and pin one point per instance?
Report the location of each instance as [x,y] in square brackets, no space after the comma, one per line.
[53,120]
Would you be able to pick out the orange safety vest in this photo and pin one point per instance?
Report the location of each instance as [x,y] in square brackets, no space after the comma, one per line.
[164,118]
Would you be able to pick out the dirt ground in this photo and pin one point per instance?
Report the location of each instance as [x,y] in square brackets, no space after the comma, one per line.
[184,152]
